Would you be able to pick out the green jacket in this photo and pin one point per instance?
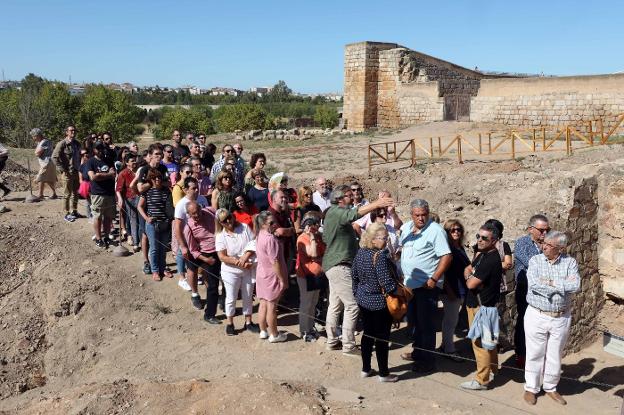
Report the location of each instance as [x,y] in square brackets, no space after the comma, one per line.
[66,156]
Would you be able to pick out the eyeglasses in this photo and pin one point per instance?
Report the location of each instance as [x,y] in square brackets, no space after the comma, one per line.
[483,238]
[356,189]
[545,230]
[381,215]
[460,230]
[228,151]
[307,194]
[187,172]
[168,151]
[227,178]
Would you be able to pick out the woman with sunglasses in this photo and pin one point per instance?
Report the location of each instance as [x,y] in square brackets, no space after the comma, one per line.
[454,288]
[223,194]
[257,162]
[186,170]
[156,207]
[244,211]
[170,164]
[374,275]
[232,241]
[271,275]
[305,205]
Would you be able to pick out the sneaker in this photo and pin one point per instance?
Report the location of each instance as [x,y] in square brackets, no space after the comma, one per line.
[69,218]
[211,320]
[336,346]
[229,330]
[136,248]
[473,385]
[263,335]
[100,244]
[107,240]
[365,374]
[77,215]
[147,270]
[184,285]
[197,302]
[354,351]
[281,337]
[388,379]
[308,337]
[252,327]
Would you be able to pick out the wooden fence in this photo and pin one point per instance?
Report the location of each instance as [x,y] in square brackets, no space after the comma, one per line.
[494,143]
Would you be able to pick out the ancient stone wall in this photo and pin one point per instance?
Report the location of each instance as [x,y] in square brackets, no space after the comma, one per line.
[536,102]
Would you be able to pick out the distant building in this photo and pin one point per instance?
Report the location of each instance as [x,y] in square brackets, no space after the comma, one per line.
[260,90]
[219,91]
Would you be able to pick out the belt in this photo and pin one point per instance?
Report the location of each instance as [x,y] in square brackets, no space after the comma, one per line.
[554,314]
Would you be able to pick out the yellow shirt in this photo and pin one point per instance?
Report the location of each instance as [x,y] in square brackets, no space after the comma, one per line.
[178,192]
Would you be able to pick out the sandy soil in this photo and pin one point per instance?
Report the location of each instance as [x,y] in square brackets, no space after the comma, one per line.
[84,332]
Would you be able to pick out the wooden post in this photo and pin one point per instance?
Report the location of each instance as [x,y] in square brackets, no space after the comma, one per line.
[513,146]
[459,149]
[591,134]
[480,151]
[413,146]
[369,160]
[431,147]
[534,137]
[568,142]
[543,139]
[490,143]
[439,146]
[602,133]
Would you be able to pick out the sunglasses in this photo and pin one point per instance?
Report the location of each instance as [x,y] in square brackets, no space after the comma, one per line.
[546,230]
[381,215]
[307,194]
[168,151]
[227,178]
[483,238]
[187,172]
[357,189]
[460,230]
[228,151]
[84,154]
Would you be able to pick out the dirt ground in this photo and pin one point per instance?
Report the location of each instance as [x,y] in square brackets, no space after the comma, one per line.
[83,332]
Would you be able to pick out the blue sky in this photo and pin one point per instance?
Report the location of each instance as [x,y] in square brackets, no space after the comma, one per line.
[256,43]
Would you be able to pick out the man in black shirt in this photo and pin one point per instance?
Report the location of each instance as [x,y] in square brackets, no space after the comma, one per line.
[483,278]
[180,151]
[109,154]
[102,176]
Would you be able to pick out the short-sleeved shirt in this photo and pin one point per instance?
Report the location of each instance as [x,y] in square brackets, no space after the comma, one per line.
[181,152]
[307,265]
[46,156]
[100,187]
[156,201]
[259,198]
[124,178]
[339,236]
[246,217]
[421,252]
[365,220]
[234,245]
[180,207]
[487,268]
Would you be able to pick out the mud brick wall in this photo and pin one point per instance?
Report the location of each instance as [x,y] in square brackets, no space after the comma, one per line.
[549,101]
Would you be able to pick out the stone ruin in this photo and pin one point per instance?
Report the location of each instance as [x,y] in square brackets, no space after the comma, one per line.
[390,86]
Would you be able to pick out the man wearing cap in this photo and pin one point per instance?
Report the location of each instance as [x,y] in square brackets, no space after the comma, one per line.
[102,191]
[66,156]
[342,245]
[47,169]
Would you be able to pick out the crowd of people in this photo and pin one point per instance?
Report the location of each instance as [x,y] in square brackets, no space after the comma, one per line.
[243,235]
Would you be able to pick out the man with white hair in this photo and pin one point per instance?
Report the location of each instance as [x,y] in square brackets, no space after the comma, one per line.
[321,196]
[552,279]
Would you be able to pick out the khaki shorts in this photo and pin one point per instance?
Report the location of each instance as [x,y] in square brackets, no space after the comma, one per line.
[102,206]
[47,174]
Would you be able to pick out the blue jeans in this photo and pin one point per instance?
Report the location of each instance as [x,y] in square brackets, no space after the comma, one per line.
[135,203]
[133,219]
[421,313]
[180,262]
[157,248]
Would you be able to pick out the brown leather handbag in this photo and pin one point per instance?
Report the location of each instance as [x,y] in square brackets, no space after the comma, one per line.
[397,302]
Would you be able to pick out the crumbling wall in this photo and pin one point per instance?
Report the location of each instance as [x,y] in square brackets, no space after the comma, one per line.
[549,101]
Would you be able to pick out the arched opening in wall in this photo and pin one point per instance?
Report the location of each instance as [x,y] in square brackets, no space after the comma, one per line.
[456,107]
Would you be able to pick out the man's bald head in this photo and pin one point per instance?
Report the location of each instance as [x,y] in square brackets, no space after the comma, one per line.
[193,210]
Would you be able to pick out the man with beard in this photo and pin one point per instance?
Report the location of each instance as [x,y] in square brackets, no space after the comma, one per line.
[321,195]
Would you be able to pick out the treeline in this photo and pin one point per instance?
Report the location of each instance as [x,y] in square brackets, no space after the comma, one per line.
[49,105]
[229,118]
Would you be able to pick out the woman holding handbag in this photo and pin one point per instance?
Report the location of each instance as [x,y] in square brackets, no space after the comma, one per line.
[374,277]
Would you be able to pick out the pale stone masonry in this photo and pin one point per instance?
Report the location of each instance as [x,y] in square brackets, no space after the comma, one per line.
[390,86]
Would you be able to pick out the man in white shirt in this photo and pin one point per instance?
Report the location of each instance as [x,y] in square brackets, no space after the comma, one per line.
[321,195]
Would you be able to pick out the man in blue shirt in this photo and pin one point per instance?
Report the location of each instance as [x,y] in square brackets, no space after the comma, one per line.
[526,247]
[424,259]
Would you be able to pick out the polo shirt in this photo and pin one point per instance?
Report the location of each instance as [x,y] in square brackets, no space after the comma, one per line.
[339,236]
[421,252]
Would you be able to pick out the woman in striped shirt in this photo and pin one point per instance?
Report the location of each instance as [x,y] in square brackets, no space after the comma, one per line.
[156,207]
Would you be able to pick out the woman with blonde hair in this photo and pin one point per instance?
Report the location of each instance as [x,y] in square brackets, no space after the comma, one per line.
[232,242]
[454,288]
[305,205]
[373,274]
[223,196]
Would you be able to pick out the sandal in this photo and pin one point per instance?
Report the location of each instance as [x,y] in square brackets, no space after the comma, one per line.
[168,274]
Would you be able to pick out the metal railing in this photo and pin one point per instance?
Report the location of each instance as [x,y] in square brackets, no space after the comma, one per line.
[510,142]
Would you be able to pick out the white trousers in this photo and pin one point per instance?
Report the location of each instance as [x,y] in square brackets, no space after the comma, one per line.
[307,306]
[545,339]
[449,322]
[233,283]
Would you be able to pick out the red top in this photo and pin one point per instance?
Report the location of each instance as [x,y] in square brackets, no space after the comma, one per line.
[124,179]
[307,265]
[246,218]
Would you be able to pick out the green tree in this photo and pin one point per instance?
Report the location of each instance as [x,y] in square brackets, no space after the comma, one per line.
[197,119]
[279,93]
[326,116]
[240,117]
[106,110]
